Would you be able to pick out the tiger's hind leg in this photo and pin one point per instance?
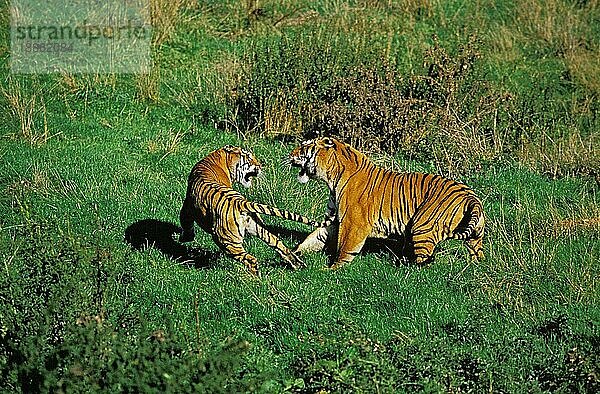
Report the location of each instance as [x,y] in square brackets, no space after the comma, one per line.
[186,220]
[423,244]
[475,244]
[228,234]
[235,250]
[426,231]
[475,247]
[423,250]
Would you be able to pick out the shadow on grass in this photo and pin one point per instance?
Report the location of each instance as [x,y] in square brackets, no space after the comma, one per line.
[393,249]
[152,233]
[286,233]
[157,234]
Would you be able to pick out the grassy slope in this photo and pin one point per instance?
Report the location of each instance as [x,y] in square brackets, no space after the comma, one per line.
[525,318]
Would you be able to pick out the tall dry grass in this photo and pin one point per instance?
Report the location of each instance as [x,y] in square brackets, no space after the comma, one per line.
[281,116]
[563,26]
[165,16]
[584,68]
[27,108]
[339,85]
[571,154]
[148,85]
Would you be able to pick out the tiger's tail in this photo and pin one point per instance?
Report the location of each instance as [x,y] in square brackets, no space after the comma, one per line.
[474,227]
[255,207]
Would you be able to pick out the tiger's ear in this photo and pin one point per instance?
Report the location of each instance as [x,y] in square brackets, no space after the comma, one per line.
[328,142]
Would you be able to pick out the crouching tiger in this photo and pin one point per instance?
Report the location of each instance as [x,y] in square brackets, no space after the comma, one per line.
[224,213]
[370,201]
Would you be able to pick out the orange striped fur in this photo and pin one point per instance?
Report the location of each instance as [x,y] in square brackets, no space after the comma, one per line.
[224,213]
[370,201]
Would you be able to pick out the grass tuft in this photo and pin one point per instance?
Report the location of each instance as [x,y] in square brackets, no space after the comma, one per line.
[27,108]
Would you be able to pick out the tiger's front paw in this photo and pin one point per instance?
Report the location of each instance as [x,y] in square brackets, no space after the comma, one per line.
[423,260]
[336,266]
[251,264]
[294,261]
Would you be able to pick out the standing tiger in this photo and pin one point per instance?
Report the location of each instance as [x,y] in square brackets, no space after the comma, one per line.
[224,213]
[370,201]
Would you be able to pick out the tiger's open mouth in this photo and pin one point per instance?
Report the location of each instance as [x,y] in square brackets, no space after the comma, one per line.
[250,174]
[306,170]
[303,172]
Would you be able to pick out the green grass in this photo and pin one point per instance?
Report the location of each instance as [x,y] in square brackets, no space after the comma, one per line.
[83,310]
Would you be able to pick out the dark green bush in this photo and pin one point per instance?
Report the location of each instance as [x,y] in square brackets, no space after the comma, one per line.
[307,86]
[446,362]
[96,357]
[287,76]
[55,335]
[49,285]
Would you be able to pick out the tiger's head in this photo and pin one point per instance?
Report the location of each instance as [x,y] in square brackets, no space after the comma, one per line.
[242,164]
[313,157]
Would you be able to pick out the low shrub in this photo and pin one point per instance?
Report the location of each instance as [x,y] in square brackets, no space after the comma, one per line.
[55,334]
[307,87]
